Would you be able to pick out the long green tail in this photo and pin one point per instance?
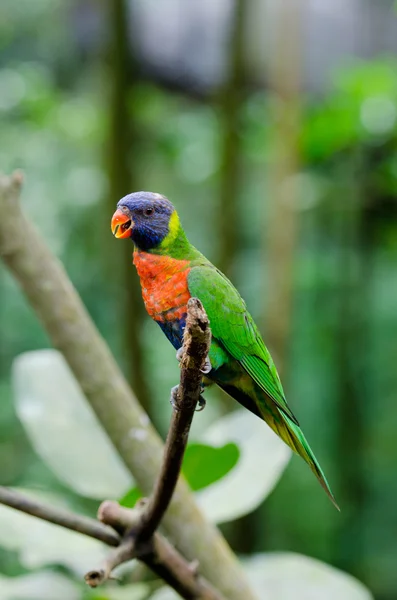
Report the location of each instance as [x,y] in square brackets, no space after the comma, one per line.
[292,435]
[294,438]
[282,425]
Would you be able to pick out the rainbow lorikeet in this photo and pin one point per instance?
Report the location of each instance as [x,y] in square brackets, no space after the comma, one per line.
[171,271]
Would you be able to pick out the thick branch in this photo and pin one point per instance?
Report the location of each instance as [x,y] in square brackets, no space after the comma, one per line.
[71,330]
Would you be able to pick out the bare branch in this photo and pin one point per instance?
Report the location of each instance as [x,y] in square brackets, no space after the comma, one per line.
[197,340]
[116,557]
[160,556]
[58,516]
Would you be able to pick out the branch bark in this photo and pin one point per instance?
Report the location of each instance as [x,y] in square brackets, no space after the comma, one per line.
[72,331]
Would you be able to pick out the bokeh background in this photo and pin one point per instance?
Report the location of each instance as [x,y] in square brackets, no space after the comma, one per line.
[272,126]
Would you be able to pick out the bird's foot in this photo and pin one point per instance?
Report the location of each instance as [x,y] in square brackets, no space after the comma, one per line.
[201,404]
[207,366]
[174,400]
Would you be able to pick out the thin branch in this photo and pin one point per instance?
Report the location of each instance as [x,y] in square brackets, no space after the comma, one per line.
[58,516]
[118,556]
[51,294]
[197,340]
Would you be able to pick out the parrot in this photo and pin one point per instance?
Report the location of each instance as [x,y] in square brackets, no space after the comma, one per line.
[171,271]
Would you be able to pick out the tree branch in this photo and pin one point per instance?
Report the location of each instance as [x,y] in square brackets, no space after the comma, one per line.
[163,558]
[140,539]
[158,554]
[196,345]
[51,294]
[138,527]
[58,516]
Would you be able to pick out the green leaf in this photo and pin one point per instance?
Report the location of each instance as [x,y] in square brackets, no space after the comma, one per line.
[131,498]
[204,464]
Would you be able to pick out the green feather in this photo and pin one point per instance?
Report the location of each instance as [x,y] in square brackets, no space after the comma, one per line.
[234,327]
[242,364]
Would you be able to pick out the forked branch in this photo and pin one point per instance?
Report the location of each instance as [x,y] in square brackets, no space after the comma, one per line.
[134,532]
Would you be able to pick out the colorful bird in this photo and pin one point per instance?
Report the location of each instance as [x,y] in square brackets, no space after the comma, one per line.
[171,271]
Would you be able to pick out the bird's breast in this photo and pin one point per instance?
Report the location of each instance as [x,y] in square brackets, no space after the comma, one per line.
[164,285]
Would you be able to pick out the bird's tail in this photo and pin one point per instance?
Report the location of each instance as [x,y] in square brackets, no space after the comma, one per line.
[283,426]
[292,435]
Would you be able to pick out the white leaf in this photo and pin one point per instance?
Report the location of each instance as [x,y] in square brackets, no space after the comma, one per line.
[39,586]
[165,593]
[62,427]
[137,591]
[288,576]
[40,543]
[263,458]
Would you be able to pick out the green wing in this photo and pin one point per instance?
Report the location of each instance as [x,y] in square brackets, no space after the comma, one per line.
[234,328]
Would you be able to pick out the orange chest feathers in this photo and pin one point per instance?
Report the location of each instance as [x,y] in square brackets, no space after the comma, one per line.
[164,285]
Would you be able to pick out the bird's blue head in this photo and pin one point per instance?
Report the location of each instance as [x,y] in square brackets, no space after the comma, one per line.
[145,217]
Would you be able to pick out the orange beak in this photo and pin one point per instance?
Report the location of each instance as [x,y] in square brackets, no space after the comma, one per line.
[121,224]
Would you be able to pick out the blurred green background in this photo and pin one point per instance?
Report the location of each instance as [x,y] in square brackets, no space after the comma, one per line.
[273,129]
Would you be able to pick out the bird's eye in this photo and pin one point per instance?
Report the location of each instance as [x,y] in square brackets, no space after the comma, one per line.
[148,211]
[124,209]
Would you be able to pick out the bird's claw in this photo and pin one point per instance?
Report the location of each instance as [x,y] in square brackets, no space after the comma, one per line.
[207,366]
[201,404]
[174,400]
